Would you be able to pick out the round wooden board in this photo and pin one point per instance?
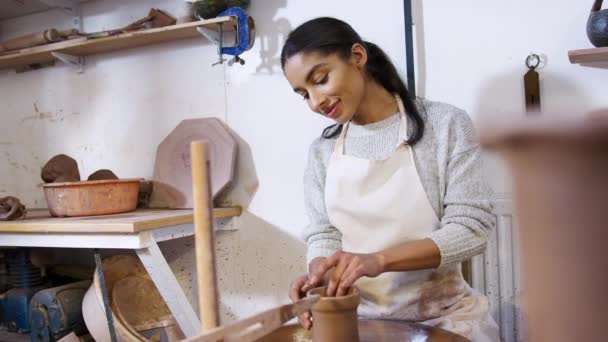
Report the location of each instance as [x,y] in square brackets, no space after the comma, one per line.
[137,302]
[140,307]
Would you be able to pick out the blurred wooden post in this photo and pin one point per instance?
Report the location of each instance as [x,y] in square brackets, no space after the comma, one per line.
[204,236]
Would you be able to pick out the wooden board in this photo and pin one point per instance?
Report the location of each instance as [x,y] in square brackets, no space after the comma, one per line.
[84,47]
[173,170]
[138,304]
[40,221]
[595,55]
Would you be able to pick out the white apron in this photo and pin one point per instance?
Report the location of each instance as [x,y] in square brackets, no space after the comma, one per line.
[379,204]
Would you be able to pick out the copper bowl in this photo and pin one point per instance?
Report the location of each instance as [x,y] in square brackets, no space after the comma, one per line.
[88,198]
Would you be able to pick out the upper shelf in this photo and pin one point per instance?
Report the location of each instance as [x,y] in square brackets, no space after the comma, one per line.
[83,47]
[40,221]
[585,56]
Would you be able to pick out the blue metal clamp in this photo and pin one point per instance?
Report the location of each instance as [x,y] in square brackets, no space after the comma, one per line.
[245,31]
[245,35]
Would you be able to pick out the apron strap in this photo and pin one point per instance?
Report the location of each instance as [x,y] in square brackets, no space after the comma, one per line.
[339,147]
[403,136]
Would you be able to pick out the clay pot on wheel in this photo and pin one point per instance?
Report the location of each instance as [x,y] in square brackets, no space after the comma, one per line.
[335,318]
[597,25]
[560,190]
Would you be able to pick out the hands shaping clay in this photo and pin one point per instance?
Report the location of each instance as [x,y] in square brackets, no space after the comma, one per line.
[11,209]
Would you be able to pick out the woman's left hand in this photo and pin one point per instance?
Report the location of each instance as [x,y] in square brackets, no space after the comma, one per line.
[348,268]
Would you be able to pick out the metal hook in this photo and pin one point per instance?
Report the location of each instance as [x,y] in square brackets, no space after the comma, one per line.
[533,61]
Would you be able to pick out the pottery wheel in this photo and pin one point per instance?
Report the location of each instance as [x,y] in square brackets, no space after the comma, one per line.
[372,331]
[173,172]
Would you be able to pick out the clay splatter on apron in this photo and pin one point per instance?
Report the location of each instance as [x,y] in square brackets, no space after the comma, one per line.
[440,292]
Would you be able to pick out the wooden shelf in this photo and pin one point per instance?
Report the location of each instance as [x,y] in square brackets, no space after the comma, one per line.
[585,56]
[40,221]
[85,47]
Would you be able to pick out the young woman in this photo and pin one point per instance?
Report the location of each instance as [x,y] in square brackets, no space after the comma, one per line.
[394,190]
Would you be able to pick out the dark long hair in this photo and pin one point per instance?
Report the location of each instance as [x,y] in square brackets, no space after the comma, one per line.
[332,36]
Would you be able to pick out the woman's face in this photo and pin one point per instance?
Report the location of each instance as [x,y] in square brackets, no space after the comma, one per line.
[332,86]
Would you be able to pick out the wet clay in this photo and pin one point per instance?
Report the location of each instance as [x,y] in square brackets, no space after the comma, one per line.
[11,209]
[60,168]
[335,318]
[103,174]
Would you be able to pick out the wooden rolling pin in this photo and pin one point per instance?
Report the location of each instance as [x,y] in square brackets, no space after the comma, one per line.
[31,40]
[204,236]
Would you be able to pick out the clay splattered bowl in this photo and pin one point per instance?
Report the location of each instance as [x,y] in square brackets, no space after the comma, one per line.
[90,198]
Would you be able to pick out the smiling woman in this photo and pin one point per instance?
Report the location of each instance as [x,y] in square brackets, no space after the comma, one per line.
[393,190]
[310,61]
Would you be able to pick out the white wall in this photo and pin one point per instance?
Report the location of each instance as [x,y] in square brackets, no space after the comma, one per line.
[470,53]
[473,55]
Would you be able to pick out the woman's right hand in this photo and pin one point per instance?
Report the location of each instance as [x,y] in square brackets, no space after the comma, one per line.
[298,290]
[301,285]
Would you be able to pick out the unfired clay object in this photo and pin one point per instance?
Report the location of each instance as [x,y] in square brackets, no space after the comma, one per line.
[103,174]
[60,168]
[560,188]
[335,318]
[172,170]
[11,209]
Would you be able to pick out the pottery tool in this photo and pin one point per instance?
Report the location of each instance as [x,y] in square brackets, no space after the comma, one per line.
[259,325]
[204,235]
[156,18]
[532,84]
[31,40]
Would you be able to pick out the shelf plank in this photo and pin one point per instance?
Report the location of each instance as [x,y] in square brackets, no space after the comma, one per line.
[86,47]
[40,221]
[584,56]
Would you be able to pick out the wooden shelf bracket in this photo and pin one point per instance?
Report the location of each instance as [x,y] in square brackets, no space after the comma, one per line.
[76,62]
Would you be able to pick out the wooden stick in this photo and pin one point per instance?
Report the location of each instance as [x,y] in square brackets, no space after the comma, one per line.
[257,326]
[204,236]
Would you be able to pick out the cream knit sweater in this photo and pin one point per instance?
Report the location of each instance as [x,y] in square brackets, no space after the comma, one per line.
[448,160]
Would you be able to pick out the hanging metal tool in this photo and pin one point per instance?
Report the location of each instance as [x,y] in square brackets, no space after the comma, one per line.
[532,84]
[245,36]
